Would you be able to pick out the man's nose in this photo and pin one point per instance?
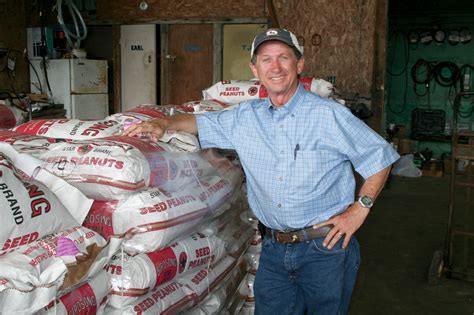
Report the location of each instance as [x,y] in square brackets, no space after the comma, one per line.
[275,66]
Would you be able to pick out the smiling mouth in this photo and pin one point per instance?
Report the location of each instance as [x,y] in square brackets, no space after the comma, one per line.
[277,78]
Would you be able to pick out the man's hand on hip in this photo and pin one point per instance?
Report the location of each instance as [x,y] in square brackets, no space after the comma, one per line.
[345,225]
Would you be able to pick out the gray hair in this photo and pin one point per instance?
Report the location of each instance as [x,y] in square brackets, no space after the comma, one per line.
[298,55]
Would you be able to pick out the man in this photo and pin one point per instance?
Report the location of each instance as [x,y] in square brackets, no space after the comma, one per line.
[296,150]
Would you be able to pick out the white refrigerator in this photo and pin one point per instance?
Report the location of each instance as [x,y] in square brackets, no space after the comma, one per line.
[79,84]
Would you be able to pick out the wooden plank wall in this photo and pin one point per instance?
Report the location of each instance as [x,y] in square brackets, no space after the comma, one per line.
[342,39]
[346,30]
[13,36]
[128,11]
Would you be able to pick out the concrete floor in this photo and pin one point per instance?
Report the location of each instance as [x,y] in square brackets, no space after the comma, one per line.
[397,241]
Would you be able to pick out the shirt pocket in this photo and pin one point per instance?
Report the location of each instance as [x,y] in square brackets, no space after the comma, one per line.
[313,167]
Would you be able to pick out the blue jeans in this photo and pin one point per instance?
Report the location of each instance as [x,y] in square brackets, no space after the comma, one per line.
[307,276]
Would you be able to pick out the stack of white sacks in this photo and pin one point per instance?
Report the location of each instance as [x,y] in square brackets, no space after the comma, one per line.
[95,222]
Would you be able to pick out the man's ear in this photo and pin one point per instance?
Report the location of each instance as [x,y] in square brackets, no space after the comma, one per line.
[300,65]
[254,70]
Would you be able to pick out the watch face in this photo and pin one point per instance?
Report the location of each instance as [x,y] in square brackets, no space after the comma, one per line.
[366,201]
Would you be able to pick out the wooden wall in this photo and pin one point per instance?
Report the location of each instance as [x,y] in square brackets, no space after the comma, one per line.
[346,30]
[343,39]
[127,11]
[13,36]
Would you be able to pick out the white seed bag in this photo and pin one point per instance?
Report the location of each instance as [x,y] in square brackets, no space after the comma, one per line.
[236,91]
[134,276]
[25,143]
[29,210]
[181,294]
[218,300]
[86,299]
[32,277]
[152,218]
[75,129]
[158,111]
[112,168]
[206,105]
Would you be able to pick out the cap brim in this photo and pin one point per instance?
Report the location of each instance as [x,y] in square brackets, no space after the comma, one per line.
[289,43]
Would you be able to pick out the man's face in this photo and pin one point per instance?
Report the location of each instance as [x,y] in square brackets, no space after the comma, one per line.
[277,68]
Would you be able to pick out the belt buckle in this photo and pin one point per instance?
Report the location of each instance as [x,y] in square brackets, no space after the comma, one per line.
[287,239]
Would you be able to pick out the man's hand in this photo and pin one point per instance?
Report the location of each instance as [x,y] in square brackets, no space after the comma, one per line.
[345,225]
[153,129]
[348,222]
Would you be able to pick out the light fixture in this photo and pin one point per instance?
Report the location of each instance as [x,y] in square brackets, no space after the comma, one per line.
[453,37]
[426,37]
[413,37]
[143,5]
[439,36]
[465,35]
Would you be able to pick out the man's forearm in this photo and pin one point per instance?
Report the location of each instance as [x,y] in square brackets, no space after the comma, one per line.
[182,122]
[374,184]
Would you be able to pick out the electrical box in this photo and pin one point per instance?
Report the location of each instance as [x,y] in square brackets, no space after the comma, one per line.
[428,124]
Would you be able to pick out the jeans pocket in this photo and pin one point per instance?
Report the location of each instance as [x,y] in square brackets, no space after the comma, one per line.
[317,244]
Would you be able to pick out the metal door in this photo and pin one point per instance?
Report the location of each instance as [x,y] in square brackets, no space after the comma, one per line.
[138,64]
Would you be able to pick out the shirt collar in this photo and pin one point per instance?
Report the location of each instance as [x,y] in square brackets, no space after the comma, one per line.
[291,104]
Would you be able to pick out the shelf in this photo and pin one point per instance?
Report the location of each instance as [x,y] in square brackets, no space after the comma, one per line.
[463,152]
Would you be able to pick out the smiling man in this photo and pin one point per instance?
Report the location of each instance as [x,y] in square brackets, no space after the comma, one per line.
[298,152]
[276,67]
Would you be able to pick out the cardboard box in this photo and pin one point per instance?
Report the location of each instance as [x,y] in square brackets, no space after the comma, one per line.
[406,146]
[461,166]
[447,165]
[402,132]
[432,169]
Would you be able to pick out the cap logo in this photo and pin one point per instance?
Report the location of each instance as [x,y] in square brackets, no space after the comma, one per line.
[272,32]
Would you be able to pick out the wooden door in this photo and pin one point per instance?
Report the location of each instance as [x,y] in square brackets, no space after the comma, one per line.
[187,62]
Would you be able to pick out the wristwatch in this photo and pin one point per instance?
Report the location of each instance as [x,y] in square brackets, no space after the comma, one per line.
[365,201]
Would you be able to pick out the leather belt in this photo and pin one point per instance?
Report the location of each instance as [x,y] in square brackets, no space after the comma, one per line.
[297,236]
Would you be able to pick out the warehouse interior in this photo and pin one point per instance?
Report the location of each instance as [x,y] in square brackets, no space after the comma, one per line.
[403,67]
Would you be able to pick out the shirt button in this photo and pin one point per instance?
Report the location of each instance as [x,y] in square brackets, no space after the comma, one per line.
[280,178]
[281,152]
[279,205]
[281,126]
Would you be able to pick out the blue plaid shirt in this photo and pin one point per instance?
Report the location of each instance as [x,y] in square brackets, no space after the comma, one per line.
[297,158]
